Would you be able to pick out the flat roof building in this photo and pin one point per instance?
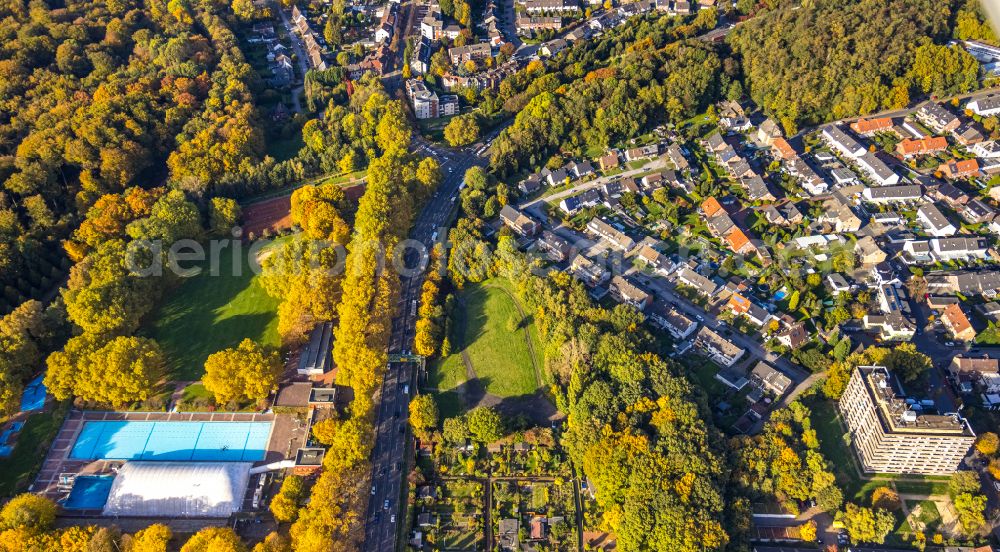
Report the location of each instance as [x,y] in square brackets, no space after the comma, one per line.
[892,434]
[316,358]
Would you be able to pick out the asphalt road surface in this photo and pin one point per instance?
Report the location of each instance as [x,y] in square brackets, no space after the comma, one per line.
[384,515]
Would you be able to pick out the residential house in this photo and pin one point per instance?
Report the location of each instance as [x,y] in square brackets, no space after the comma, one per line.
[550,6]
[954,318]
[522,224]
[896,321]
[702,285]
[757,189]
[918,251]
[469,52]
[869,252]
[537,528]
[718,348]
[988,149]
[677,157]
[990,310]
[877,170]
[949,194]
[644,152]
[808,178]
[616,238]
[741,306]
[839,214]
[581,169]
[842,142]
[553,47]
[837,283]
[732,377]
[937,118]
[976,367]
[554,246]
[924,146]
[653,259]
[769,379]
[959,248]
[625,291]
[977,211]
[557,177]
[715,143]
[893,194]
[869,127]
[768,131]
[739,242]
[934,221]
[530,185]
[842,176]
[792,334]
[588,198]
[712,208]
[679,325]
[967,134]
[609,161]
[963,281]
[985,106]
[782,149]
[432,24]
[589,272]
[528,25]
[955,169]
[508,535]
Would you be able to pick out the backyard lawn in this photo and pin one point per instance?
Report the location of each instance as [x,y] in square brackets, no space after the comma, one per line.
[210,313]
[500,356]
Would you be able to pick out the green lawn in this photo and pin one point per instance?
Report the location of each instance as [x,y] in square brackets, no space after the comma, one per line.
[209,313]
[929,516]
[501,358]
[18,470]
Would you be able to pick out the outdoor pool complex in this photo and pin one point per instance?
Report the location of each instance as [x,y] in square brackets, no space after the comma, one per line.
[172,441]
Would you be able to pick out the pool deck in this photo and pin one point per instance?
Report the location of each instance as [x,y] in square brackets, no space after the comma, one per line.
[57,460]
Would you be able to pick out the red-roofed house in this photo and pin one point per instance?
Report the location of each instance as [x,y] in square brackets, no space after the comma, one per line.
[739,242]
[867,127]
[926,146]
[958,323]
[711,207]
[782,148]
[959,169]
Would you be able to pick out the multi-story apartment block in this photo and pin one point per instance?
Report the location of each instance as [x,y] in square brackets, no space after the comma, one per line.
[893,434]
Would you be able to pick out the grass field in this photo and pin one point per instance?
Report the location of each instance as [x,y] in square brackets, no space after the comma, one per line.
[500,357]
[210,313]
[18,470]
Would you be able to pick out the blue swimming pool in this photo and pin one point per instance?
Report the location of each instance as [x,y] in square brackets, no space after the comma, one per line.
[173,441]
[33,397]
[90,492]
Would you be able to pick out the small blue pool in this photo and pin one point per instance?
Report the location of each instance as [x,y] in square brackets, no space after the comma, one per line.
[90,492]
[34,395]
[780,294]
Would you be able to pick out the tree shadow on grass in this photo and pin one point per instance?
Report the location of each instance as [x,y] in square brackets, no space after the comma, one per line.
[186,354]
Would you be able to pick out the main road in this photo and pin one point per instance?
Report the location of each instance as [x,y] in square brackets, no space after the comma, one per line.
[384,514]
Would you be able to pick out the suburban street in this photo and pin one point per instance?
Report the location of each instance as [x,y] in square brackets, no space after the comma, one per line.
[300,55]
[388,454]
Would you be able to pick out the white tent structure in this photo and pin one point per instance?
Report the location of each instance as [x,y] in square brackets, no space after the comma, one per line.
[178,489]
